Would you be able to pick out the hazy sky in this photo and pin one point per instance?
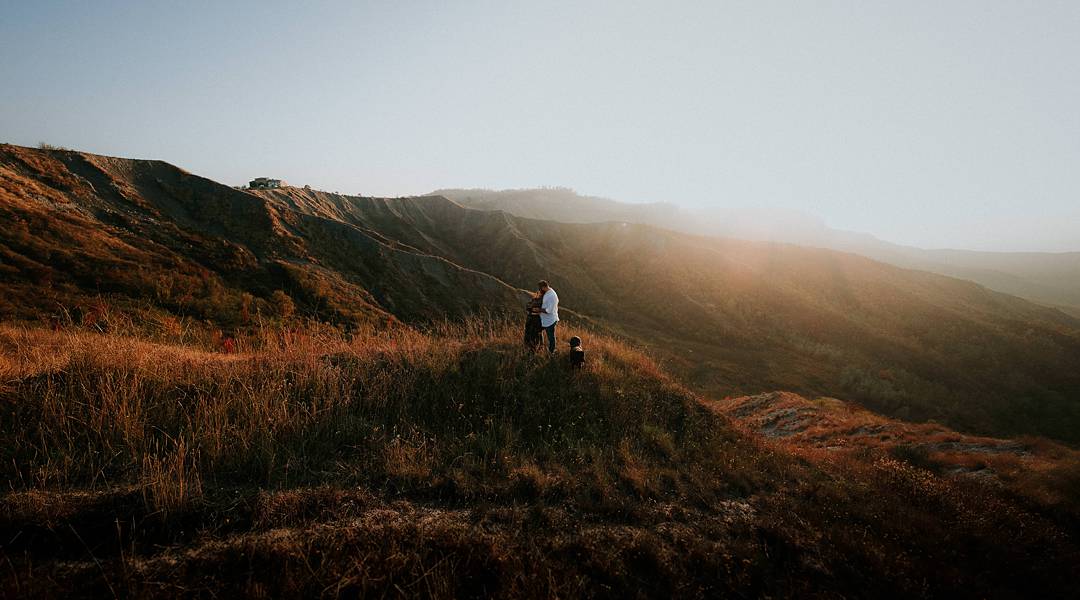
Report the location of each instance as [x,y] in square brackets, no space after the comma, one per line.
[937,123]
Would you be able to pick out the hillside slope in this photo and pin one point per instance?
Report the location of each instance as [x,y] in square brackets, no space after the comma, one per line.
[83,233]
[737,317]
[1052,279]
[455,464]
[75,225]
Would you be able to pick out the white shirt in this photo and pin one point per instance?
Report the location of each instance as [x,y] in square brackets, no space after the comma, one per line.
[550,304]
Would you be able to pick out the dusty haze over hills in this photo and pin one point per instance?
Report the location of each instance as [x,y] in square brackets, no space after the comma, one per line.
[938,125]
[1049,278]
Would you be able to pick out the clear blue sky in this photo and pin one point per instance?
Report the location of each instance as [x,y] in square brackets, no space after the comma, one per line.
[933,123]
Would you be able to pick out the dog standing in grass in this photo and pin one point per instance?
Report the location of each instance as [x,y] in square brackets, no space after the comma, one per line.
[577,353]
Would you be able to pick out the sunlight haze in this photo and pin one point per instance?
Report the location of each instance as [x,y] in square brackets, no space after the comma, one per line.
[924,123]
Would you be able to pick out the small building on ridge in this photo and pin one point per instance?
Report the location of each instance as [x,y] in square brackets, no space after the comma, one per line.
[264,183]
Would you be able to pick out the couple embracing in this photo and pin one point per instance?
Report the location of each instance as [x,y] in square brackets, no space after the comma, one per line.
[542,316]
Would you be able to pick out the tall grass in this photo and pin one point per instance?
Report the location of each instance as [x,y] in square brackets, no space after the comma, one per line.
[458,406]
[452,462]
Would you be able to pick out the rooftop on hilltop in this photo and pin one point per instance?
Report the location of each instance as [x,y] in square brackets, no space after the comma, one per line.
[265,183]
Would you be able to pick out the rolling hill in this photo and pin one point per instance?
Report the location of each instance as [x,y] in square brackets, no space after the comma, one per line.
[1052,279]
[736,316]
[730,317]
[292,393]
[455,464]
[77,225]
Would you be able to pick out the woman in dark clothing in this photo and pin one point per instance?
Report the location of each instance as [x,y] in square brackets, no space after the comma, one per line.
[533,328]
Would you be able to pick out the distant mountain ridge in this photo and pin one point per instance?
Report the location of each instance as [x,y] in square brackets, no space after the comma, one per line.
[1052,279]
[548,203]
[728,316]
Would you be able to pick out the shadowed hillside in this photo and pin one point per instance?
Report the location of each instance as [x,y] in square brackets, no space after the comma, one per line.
[85,235]
[451,463]
[737,317]
[287,393]
[76,225]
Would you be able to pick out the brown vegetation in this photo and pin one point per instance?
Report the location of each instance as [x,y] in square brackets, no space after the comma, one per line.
[79,232]
[1034,471]
[207,391]
[732,317]
[453,463]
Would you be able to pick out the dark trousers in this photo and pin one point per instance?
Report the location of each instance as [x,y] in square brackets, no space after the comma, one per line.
[550,332]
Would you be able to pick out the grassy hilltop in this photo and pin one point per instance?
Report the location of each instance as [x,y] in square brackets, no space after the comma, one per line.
[82,234]
[210,391]
[393,461]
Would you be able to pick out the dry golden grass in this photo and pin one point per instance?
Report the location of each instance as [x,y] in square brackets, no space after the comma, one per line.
[93,411]
[1040,472]
[451,462]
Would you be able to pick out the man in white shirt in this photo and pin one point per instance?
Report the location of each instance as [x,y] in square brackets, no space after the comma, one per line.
[549,313]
